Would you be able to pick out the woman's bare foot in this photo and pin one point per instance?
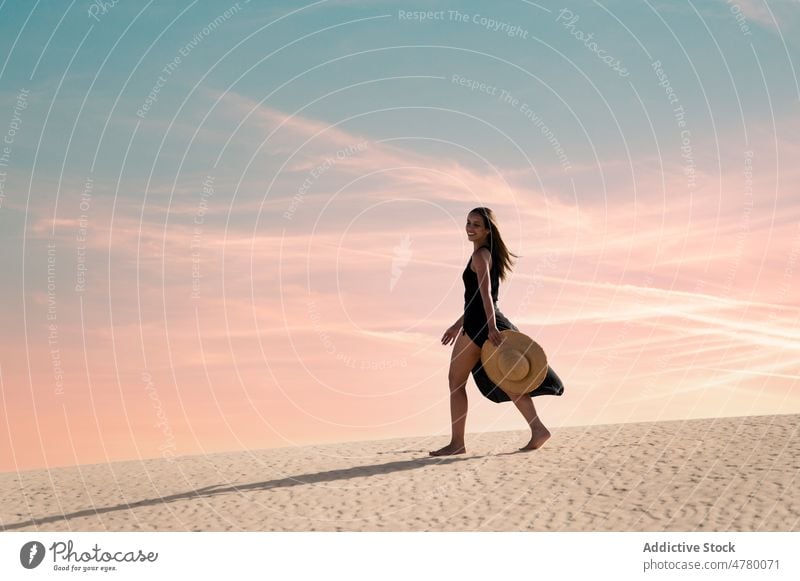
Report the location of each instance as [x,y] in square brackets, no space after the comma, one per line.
[449,450]
[538,438]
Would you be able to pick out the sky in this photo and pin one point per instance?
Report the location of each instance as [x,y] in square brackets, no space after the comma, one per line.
[231,226]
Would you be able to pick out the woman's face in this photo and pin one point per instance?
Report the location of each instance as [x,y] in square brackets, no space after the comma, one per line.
[476,231]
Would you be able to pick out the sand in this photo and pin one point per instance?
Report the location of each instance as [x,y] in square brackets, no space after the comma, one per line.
[731,474]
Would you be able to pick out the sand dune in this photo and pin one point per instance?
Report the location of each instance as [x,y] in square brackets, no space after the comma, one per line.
[732,474]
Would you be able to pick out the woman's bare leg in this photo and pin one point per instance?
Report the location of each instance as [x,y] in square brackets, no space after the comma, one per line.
[539,433]
[465,355]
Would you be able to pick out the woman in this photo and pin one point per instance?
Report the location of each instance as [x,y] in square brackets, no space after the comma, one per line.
[482,320]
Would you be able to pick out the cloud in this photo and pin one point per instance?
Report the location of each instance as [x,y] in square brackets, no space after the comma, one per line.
[757,11]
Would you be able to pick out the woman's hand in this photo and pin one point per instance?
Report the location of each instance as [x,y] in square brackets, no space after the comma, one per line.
[451,334]
[495,336]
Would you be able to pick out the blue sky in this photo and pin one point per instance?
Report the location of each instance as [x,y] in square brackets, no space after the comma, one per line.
[719,63]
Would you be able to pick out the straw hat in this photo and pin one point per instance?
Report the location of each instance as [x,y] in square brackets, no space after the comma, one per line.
[517,366]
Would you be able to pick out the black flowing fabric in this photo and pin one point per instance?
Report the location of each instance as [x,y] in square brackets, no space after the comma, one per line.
[477,329]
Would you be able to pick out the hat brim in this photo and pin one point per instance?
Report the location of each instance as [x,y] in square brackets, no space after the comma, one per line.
[533,352]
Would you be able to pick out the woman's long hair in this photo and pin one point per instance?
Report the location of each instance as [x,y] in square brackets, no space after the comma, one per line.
[501,255]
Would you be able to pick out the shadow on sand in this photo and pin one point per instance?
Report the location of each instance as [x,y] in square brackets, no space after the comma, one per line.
[327,476]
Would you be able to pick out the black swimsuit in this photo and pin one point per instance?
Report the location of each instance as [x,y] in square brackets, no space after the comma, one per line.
[476,328]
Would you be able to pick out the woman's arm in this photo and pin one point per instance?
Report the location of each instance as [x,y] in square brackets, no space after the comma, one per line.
[482,261]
